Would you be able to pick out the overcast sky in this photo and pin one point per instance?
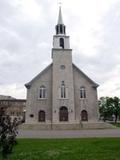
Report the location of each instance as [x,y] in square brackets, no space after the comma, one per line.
[26,32]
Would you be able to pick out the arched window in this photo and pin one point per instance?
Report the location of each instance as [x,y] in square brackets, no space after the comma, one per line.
[63,90]
[62,42]
[42,93]
[63,114]
[82,92]
[41,116]
[84,115]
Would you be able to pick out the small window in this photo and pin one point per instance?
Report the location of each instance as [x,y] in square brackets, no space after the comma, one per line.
[12,113]
[42,92]
[82,92]
[63,90]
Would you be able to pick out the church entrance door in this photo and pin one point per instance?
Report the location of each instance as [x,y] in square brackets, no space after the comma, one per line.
[63,114]
[84,115]
[41,116]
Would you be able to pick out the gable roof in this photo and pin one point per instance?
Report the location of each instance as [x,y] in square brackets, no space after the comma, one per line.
[27,85]
[90,80]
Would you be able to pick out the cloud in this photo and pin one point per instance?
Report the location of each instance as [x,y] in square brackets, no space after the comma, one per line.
[26,30]
[100,59]
[15,89]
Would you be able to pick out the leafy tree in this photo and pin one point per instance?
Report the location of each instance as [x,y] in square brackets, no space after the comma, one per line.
[115,103]
[105,108]
[108,107]
[8,133]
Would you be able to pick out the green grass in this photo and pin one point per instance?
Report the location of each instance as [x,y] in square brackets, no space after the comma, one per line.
[67,149]
[116,124]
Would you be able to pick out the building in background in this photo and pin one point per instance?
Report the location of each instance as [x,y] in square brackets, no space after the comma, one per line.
[13,107]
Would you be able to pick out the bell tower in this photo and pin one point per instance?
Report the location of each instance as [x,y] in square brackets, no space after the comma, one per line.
[60,40]
[63,89]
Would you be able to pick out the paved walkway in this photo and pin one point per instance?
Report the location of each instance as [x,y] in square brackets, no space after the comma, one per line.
[69,133]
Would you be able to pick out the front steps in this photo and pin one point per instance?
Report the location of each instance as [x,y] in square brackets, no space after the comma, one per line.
[67,126]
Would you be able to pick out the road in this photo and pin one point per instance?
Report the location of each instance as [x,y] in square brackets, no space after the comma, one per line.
[68,133]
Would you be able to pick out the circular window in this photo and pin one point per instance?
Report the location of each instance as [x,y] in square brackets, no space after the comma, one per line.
[62,67]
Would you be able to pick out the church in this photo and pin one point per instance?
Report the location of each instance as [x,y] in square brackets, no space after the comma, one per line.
[61,96]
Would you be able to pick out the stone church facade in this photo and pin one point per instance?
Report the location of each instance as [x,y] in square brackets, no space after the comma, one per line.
[61,96]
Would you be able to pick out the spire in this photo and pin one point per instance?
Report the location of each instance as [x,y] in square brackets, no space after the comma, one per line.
[60,20]
[60,40]
[60,27]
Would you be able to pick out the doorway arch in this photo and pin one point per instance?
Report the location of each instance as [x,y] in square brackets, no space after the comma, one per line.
[84,115]
[63,114]
[41,116]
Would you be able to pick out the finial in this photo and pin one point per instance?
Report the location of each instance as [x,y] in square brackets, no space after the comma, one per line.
[60,3]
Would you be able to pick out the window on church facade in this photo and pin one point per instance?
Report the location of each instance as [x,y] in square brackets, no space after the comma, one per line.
[63,91]
[42,92]
[82,92]
[63,95]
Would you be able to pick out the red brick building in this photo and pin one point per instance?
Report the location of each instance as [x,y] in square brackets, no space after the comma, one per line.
[13,107]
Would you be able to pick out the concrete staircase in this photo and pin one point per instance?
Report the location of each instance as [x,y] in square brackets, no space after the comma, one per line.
[67,126]
[97,125]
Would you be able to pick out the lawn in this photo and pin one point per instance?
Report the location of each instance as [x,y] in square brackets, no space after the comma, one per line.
[116,124]
[67,149]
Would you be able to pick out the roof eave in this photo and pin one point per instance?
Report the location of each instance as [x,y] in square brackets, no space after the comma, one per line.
[95,85]
[28,85]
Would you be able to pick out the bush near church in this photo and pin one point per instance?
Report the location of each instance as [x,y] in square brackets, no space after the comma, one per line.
[8,133]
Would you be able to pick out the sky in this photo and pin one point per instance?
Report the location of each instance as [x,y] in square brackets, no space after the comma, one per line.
[26,34]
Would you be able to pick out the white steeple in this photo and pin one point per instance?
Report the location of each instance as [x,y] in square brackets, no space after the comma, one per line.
[60,27]
[60,20]
[60,40]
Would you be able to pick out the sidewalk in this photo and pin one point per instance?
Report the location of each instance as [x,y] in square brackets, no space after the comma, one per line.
[68,133]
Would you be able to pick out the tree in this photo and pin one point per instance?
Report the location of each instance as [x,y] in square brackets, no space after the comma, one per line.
[105,108]
[8,133]
[115,103]
[109,107]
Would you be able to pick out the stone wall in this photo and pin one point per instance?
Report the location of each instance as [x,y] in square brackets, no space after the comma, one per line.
[34,103]
[90,103]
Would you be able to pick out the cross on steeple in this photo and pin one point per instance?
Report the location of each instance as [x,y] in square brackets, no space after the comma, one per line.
[60,3]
